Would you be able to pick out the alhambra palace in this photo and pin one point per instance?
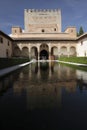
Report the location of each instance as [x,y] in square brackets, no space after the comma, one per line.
[42,37]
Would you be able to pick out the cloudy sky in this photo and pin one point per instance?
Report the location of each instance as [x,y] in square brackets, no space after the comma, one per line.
[74,12]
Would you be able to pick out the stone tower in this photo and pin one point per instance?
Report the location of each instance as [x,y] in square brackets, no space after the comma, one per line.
[42,21]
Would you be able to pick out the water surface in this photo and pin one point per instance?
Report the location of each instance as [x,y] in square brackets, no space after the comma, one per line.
[44,96]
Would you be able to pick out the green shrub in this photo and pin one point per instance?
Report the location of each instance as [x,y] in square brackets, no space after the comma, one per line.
[7,62]
[82,60]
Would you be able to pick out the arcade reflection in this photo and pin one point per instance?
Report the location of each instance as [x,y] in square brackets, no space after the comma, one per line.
[44,83]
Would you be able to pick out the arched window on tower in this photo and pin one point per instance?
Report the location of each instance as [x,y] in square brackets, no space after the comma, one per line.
[43,30]
[54,29]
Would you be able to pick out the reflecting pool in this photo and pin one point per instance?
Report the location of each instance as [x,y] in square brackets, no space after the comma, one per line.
[44,96]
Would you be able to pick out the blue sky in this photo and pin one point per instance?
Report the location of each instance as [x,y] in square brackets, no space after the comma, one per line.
[74,12]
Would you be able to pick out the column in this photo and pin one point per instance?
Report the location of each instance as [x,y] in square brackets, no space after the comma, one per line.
[49,51]
[29,52]
[38,49]
[59,53]
[68,50]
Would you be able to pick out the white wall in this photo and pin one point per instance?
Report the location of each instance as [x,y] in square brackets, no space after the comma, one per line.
[82,48]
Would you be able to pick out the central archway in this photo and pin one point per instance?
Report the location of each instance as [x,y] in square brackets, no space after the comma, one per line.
[44,55]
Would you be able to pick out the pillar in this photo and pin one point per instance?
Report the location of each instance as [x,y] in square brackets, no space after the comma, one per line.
[38,49]
[49,52]
[29,52]
[68,50]
[59,53]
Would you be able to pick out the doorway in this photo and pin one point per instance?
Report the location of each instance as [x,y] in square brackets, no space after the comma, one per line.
[44,55]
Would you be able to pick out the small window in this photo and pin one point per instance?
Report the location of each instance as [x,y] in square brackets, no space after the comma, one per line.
[15,31]
[43,30]
[71,30]
[54,29]
[8,43]
[81,42]
[1,40]
[20,30]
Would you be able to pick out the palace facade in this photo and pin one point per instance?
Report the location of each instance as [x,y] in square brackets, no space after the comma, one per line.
[42,37]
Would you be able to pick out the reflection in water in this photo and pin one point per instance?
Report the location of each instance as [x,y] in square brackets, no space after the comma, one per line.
[5,84]
[48,85]
[44,92]
[82,75]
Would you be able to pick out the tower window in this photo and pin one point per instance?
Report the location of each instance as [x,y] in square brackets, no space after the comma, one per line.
[54,29]
[1,39]
[71,30]
[8,43]
[43,30]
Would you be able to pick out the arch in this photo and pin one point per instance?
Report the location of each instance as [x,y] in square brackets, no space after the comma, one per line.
[34,52]
[44,54]
[25,52]
[54,52]
[17,51]
[72,51]
[63,50]
[44,51]
[44,46]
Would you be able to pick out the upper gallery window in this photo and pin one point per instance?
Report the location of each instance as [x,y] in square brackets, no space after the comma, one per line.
[1,40]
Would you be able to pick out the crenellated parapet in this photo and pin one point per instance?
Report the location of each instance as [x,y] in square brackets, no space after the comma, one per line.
[42,20]
[42,10]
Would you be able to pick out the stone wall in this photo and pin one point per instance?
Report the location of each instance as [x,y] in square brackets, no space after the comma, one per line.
[5,47]
[40,21]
